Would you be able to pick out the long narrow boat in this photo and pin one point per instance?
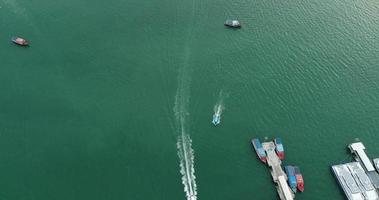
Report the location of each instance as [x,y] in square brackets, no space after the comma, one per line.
[279,148]
[259,149]
[291,177]
[299,179]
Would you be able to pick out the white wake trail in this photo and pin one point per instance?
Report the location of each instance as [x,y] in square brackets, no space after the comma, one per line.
[219,107]
[186,156]
[184,143]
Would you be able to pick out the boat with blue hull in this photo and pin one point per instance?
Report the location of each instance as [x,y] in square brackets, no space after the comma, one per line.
[259,149]
[279,148]
[290,171]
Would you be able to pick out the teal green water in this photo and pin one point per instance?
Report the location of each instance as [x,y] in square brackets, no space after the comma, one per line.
[93,109]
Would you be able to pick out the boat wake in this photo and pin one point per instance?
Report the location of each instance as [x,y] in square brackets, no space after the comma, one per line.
[186,156]
[184,143]
[15,7]
[218,109]
[185,151]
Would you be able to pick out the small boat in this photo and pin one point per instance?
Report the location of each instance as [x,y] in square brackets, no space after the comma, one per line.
[259,149]
[299,179]
[19,41]
[279,148]
[290,171]
[216,119]
[232,23]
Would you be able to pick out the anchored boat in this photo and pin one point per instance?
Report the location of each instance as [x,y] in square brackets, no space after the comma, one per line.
[232,23]
[299,179]
[259,149]
[20,41]
[290,171]
[279,148]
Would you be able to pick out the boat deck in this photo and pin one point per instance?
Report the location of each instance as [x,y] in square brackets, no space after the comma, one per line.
[358,150]
[277,173]
[354,181]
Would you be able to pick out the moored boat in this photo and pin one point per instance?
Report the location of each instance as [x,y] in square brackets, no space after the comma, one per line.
[259,149]
[20,41]
[279,148]
[291,177]
[232,23]
[299,179]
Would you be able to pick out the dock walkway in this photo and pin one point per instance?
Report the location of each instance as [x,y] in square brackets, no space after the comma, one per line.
[277,173]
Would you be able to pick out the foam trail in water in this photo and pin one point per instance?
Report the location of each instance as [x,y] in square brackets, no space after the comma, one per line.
[184,143]
[219,107]
[14,6]
[186,155]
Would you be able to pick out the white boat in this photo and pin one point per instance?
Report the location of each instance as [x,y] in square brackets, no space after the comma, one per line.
[232,23]
[216,119]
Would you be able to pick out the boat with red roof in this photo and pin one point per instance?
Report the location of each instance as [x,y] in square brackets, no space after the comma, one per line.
[299,179]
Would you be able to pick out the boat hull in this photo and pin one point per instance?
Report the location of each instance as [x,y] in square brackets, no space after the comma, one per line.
[279,148]
[232,26]
[299,179]
[300,183]
[280,155]
[291,177]
[216,120]
[19,41]
[232,23]
[259,150]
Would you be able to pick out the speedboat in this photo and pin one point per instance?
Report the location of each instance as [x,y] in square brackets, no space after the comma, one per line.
[216,119]
[20,41]
[232,23]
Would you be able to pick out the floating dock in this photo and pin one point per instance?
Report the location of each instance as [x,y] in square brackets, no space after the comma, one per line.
[359,180]
[277,173]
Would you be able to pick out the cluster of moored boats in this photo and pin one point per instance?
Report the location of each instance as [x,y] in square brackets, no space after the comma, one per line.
[295,178]
[272,153]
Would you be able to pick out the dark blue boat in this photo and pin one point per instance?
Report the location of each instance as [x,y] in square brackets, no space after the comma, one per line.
[290,171]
